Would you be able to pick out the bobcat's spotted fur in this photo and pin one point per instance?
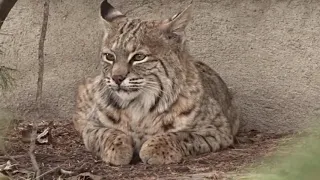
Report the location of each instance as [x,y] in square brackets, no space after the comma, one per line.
[152,98]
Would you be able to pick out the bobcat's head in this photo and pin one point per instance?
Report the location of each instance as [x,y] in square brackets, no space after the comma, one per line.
[142,57]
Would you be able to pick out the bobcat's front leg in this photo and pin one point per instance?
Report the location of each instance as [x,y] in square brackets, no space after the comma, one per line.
[113,146]
[172,147]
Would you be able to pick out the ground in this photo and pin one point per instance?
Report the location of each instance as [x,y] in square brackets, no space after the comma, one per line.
[65,156]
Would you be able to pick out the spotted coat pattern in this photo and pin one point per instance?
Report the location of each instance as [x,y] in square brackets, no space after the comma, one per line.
[152,98]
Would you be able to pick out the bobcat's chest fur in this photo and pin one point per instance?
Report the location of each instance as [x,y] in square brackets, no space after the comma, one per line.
[140,123]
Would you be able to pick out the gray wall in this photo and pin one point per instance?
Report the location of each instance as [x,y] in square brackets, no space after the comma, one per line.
[266,51]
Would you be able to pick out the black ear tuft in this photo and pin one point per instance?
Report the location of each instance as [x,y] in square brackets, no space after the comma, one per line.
[108,12]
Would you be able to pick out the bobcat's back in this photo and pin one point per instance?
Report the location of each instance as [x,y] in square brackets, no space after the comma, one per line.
[216,88]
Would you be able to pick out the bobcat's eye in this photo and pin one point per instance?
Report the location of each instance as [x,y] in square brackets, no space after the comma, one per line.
[109,57]
[139,57]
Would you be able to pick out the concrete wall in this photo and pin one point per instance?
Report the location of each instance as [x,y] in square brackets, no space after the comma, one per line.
[266,50]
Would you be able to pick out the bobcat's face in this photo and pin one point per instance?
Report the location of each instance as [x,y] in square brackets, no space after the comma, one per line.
[129,65]
[140,57]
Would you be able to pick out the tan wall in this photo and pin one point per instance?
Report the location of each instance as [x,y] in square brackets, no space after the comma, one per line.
[267,52]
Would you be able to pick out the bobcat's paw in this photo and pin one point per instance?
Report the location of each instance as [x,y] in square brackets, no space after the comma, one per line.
[160,150]
[119,151]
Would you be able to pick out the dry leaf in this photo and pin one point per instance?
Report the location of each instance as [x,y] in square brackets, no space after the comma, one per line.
[5,169]
[26,134]
[42,138]
[7,166]
[43,134]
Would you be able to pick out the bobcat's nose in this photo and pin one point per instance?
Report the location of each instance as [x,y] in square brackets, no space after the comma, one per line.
[118,78]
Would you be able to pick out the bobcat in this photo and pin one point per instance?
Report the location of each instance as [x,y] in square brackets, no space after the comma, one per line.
[151,98]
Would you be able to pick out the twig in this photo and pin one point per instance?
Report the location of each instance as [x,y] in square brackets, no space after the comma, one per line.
[48,172]
[31,151]
[41,52]
[8,157]
[78,171]
[12,158]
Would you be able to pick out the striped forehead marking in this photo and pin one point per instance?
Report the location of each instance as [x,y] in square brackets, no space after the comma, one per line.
[128,31]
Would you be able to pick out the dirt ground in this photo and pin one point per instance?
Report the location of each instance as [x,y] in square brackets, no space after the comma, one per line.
[65,156]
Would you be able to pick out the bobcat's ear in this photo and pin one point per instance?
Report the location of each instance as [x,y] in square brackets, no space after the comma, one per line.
[110,14]
[177,23]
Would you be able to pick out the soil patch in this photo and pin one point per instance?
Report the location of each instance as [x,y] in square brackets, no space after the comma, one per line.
[65,156]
